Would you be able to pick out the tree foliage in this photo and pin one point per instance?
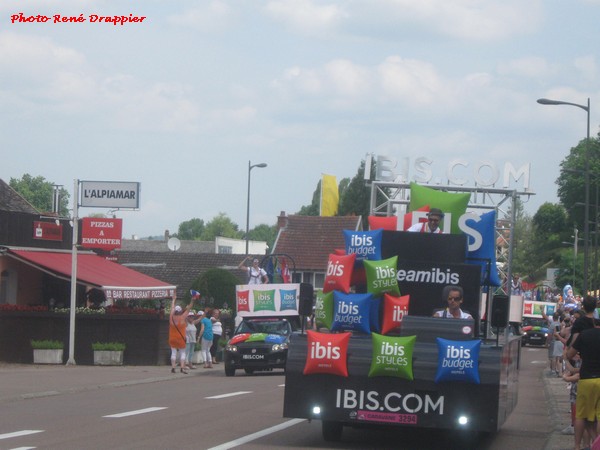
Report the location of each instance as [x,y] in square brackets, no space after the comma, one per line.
[190,229]
[221,225]
[571,181]
[264,232]
[355,197]
[217,288]
[40,193]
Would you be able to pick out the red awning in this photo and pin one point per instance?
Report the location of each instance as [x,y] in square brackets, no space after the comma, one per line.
[117,281]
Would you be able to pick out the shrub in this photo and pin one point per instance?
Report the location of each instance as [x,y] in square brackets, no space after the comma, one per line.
[108,346]
[46,344]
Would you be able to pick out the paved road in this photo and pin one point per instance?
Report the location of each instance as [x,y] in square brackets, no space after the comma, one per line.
[147,407]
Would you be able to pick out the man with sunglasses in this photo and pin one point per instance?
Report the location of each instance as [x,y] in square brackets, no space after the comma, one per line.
[454,296]
[434,217]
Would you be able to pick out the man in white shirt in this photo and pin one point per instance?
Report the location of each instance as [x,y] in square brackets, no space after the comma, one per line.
[256,274]
[454,296]
[434,217]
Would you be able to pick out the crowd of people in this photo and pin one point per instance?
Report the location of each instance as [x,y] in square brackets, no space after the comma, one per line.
[574,355]
[184,335]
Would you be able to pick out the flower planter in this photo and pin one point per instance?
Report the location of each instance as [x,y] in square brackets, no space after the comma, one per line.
[197,358]
[47,356]
[108,358]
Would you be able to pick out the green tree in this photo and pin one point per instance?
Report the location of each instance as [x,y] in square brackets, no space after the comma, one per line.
[190,229]
[571,181]
[355,196]
[314,209]
[217,288]
[40,193]
[264,232]
[221,225]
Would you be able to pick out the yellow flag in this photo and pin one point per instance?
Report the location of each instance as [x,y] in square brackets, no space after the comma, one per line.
[330,196]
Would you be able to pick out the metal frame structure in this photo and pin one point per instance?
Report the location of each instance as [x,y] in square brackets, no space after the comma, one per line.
[394,196]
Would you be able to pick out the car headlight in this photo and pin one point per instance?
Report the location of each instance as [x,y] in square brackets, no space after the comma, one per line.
[525,333]
[231,348]
[279,347]
[545,334]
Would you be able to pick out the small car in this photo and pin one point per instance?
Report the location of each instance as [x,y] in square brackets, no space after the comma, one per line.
[258,344]
[534,332]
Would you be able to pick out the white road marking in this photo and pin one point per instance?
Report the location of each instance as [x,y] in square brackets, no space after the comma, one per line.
[281,385]
[539,362]
[19,433]
[232,394]
[23,448]
[257,435]
[136,412]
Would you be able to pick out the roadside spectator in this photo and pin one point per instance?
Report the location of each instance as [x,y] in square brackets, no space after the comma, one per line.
[217,328]
[587,407]
[586,320]
[177,325]
[555,346]
[191,333]
[206,338]
[571,376]
[453,296]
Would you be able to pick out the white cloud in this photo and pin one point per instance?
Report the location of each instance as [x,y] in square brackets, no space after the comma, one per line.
[410,80]
[462,19]
[212,17]
[70,84]
[530,67]
[306,16]
[587,66]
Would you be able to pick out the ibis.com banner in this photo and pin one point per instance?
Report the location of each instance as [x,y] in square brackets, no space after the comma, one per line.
[267,299]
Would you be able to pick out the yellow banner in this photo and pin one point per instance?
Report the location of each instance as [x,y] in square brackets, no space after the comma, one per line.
[330,196]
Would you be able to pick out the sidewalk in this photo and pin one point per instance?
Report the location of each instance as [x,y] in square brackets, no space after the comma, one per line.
[22,381]
[559,409]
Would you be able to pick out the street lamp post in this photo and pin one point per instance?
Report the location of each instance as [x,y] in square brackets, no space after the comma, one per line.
[586,215]
[250,167]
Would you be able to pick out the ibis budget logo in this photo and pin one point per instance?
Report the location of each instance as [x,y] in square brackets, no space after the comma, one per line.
[347,313]
[264,300]
[458,358]
[361,245]
[288,299]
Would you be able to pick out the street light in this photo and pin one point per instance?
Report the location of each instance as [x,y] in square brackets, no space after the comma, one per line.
[250,167]
[586,215]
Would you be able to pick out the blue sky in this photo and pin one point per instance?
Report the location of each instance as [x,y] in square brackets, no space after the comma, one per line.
[183,100]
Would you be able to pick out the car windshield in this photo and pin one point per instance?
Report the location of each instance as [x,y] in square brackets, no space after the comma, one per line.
[534,322]
[280,327]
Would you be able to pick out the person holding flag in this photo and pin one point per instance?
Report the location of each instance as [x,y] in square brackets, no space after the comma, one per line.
[177,326]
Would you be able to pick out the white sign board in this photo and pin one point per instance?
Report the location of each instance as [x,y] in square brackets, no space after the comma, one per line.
[110,194]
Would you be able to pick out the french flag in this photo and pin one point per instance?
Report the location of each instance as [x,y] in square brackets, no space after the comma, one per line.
[194,294]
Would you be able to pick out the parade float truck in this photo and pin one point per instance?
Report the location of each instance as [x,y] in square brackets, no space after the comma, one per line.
[269,316]
[377,356]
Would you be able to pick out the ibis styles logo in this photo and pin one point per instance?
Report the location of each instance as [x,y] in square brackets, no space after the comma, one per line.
[264,300]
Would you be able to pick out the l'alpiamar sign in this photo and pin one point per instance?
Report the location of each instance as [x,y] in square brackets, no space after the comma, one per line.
[110,194]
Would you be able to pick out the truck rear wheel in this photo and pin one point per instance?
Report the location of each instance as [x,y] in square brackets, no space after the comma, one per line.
[332,431]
